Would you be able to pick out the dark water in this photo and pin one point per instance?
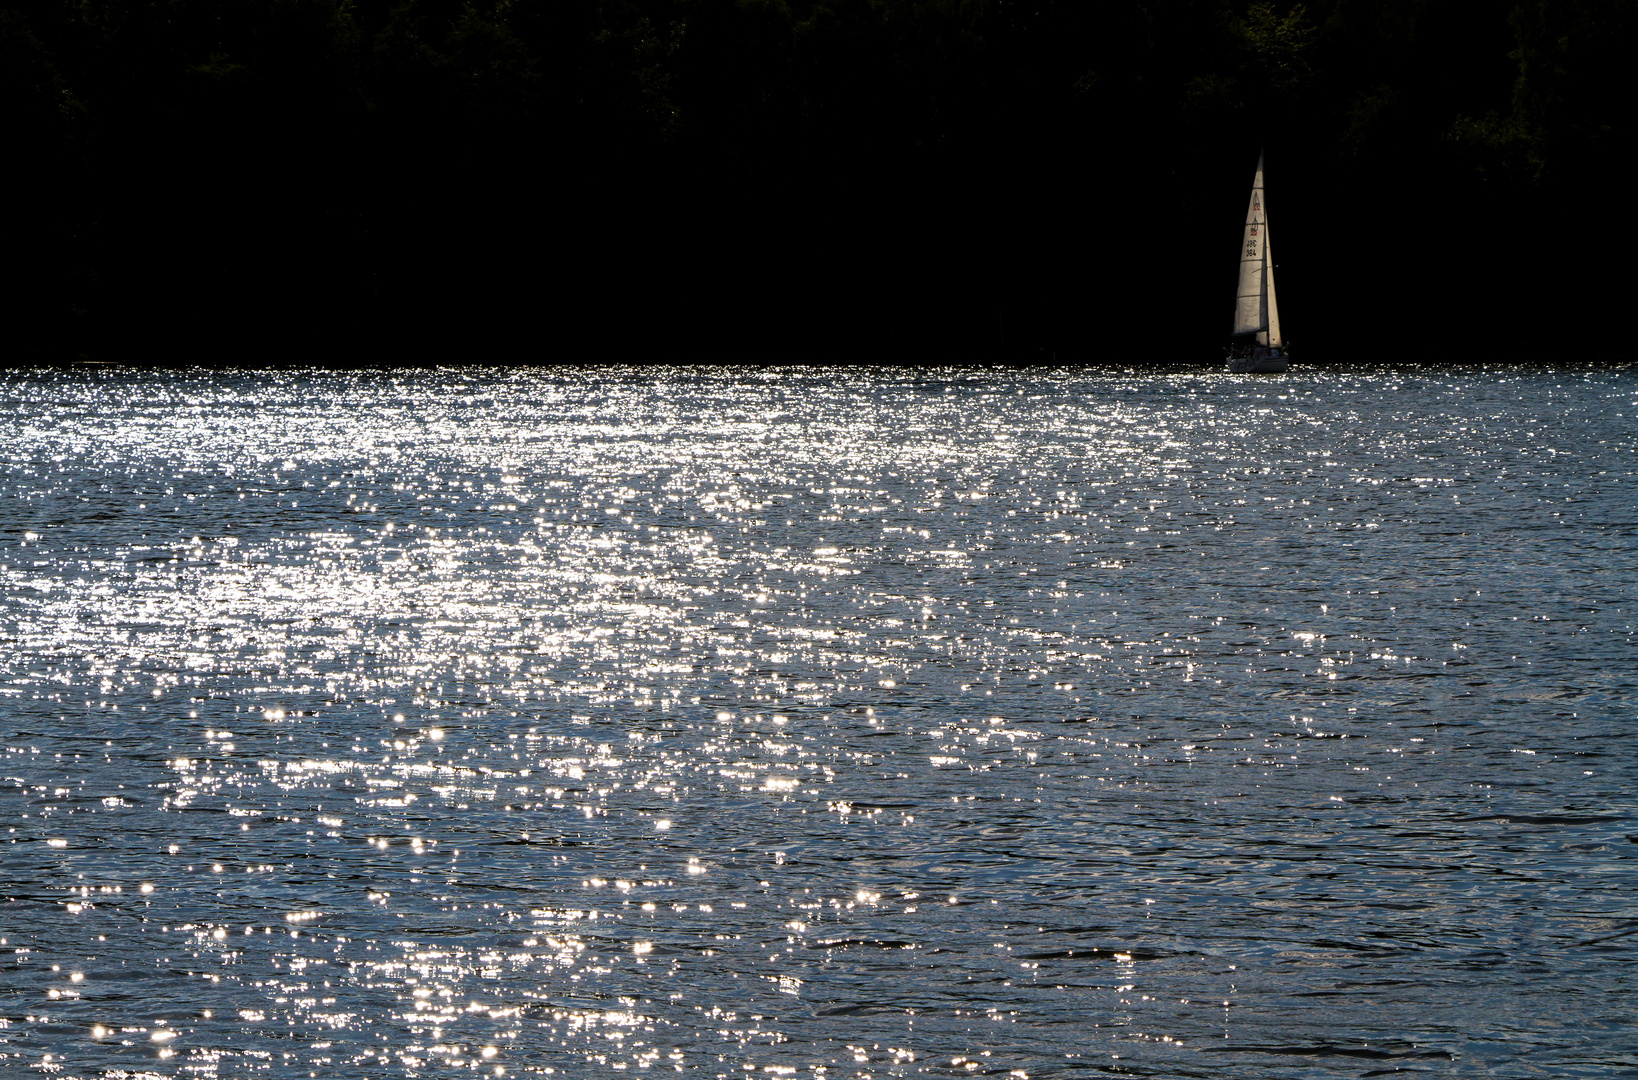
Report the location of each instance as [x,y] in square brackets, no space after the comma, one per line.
[819,724]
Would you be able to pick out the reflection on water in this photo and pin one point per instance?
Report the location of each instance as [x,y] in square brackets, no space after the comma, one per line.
[820,725]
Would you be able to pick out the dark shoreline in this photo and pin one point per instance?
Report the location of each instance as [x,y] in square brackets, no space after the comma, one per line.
[710,179]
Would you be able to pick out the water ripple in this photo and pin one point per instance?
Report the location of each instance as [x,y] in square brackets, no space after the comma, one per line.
[821,724]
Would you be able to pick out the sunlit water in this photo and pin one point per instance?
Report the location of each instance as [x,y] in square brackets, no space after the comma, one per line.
[819,724]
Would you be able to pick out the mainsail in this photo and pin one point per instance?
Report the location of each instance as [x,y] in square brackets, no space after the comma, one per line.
[1255,311]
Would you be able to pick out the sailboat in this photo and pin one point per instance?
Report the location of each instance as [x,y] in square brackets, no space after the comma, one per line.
[1257,345]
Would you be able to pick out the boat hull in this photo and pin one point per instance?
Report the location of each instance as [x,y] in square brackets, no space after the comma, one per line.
[1267,365]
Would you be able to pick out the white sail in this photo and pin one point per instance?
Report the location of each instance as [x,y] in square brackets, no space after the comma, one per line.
[1254,303]
[1273,335]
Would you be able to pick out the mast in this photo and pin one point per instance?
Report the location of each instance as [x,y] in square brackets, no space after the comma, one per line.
[1254,301]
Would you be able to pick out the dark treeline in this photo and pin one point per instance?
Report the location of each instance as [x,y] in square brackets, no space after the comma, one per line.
[870,179]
